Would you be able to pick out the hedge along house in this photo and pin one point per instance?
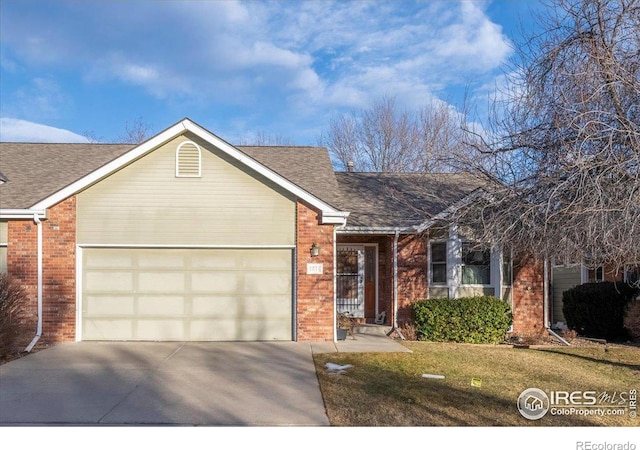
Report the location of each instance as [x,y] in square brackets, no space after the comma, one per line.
[186,237]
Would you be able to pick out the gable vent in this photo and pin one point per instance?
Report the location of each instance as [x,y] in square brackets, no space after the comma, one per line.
[188,160]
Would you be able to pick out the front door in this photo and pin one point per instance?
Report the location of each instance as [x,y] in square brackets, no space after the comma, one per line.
[350,282]
[357,280]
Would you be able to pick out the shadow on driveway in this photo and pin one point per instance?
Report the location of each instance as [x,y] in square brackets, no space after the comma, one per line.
[109,383]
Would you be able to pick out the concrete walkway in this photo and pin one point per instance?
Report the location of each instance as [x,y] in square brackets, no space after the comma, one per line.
[172,383]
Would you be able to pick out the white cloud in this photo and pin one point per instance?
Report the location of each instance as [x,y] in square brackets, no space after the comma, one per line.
[17,130]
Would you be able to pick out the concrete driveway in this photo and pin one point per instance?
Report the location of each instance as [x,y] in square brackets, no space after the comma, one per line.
[225,384]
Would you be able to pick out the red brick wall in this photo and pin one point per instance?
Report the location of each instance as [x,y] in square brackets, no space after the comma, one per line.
[315,312]
[59,270]
[528,298]
[22,267]
[413,277]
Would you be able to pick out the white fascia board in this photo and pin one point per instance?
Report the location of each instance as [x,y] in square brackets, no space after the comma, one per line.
[22,213]
[375,230]
[335,217]
[171,133]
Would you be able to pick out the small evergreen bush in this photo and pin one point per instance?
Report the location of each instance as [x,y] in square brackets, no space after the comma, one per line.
[476,320]
[597,310]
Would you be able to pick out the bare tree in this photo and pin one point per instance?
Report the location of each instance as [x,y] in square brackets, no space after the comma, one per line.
[382,138]
[263,139]
[565,154]
[136,132]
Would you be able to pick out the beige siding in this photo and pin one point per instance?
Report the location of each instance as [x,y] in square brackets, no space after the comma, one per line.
[145,203]
[192,295]
[564,278]
[4,231]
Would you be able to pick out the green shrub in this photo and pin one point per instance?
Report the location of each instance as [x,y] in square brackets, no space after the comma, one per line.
[476,320]
[12,300]
[597,309]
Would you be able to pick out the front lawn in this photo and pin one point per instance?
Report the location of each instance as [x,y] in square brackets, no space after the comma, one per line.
[387,389]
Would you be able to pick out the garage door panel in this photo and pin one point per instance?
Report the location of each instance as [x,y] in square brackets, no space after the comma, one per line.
[160,306]
[108,281]
[109,305]
[172,282]
[266,283]
[107,258]
[223,282]
[217,305]
[187,294]
[159,329]
[113,330]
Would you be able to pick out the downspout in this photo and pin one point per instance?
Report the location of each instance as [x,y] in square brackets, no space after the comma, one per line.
[39,258]
[335,286]
[395,328]
[395,280]
[547,325]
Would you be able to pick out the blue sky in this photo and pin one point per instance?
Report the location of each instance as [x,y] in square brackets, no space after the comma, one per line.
[283,68]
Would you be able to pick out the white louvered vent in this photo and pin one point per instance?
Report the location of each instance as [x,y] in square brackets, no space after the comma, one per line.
[188,160]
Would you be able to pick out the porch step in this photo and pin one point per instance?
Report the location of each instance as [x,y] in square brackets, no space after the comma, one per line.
[369,328]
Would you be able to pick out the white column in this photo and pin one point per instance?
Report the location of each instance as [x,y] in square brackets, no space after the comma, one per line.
[454,261]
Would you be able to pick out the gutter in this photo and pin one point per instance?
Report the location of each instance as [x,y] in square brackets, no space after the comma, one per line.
[38,222]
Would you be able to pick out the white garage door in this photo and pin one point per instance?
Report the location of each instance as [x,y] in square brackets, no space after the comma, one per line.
[186,294]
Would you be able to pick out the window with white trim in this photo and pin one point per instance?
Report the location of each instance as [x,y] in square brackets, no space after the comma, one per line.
[188,160]
[476,264]
[438,252]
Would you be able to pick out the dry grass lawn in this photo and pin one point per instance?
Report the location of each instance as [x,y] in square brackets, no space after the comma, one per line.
[387,389]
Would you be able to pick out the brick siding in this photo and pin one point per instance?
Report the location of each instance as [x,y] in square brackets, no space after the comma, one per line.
[315,298]
[58,270]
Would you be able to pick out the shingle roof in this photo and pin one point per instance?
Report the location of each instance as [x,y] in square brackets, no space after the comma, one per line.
[399,200]
[308,167]
[375,200]
[35,171]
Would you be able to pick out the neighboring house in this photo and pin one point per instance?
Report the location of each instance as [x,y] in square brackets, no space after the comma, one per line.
[566,276]
[186,237]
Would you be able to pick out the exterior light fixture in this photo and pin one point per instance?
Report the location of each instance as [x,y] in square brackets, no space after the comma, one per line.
[315,249]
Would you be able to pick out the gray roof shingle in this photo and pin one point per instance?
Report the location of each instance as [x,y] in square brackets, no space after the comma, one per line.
[35,171]
[308,167]
[399,200]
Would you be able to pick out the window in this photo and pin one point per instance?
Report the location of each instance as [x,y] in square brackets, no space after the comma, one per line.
[188,160]
[476,264]
[438,262]
[595,275]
